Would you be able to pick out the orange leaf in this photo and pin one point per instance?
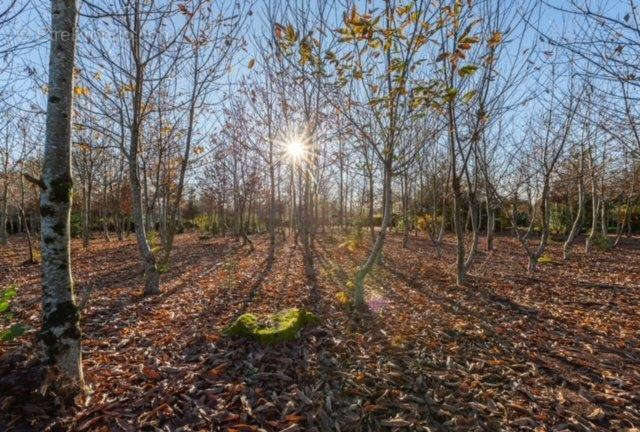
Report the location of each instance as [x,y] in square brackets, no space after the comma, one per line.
[151,373]
[218,370]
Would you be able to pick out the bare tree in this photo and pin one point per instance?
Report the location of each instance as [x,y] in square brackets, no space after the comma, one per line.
[147,44]
[548,144]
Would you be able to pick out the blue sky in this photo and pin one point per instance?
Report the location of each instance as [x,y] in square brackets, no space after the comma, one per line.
[24,85]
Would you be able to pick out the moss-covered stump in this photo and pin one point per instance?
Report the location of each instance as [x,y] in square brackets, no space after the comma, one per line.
[545,259]
[279,327]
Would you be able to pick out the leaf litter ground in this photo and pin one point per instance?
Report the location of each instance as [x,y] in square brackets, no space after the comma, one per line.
[557,350]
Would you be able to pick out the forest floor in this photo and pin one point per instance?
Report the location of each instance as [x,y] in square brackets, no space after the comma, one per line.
[556,350]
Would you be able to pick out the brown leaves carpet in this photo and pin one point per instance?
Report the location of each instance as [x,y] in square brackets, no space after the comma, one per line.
[558,350]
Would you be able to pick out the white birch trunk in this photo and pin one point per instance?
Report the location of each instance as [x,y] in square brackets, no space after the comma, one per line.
[60,336]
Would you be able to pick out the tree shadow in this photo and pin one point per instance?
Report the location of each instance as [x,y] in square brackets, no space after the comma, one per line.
[256,282]
[566,365]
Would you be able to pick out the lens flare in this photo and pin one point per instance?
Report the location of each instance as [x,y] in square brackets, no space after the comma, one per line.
[295,150]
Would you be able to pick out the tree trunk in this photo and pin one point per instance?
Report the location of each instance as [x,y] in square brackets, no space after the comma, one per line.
[86,221]
[173,212]
[272,200]
[377,246]
[119,217]
[105,210]
[475,222]
[60,336]
[575,227]
[457,228]
[341,186]
[4,204]
[371,223]
[306,225]
[491,223]
[26,223]
[544,234]
[604,220]
[595,206]
[405,210]
[151,275]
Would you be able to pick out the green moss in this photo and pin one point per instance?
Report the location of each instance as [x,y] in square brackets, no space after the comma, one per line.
[163,267]
[63,314]
[545,259]
[47,210]
[603,243]
[61,189]
[59,228]
[280,327]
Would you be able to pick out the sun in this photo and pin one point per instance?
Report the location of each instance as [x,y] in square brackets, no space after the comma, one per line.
[295,150]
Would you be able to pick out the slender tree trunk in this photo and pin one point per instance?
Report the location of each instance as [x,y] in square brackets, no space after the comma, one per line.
[341,186]
[544,235]
[4,202]
[491,223]
[12,224]
[475,222]
[272,201]
[458,224]
[119,217]
[604,220]
[175,207]
[60,336]
[26,223]
[105,210]
[293,216]
[458,229]
[306,225]
[86,234]
[595,205]
[377,246]
[151,275]
[577,222]
[622,219]
[4,237]
[405,213]
[370,202]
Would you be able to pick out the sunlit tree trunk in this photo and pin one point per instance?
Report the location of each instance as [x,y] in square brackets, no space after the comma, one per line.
[174,207]
[86,219]
[105,209]
[456,188]
[119,216]
[369,175]
[151,275]
[374,255]
[306,224]
[491,217]
[535,254]
[595,206]
[60,336]
[577,222]
[458,229]
[4,204]
[272,200]
[341,217]
[405,209]
[604,220]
